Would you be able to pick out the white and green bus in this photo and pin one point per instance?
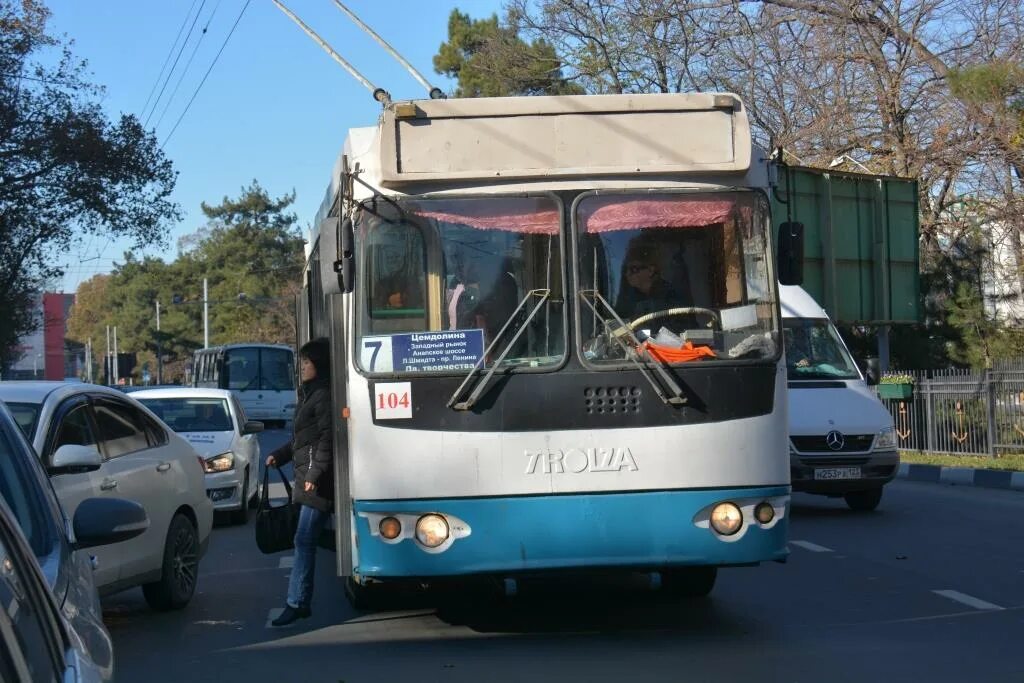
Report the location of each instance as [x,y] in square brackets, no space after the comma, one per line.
[262,376]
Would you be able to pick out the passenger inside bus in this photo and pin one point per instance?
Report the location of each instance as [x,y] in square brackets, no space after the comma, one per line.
[483,295]
[462,292]
[398,278]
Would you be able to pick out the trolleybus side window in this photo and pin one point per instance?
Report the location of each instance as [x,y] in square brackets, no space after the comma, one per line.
[686,274]
[396,268]
[476,274]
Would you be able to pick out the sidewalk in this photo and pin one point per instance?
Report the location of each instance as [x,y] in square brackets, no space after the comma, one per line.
[962,476]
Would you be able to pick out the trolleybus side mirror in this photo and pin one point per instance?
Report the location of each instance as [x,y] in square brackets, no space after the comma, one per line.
[791,253]
[348,256]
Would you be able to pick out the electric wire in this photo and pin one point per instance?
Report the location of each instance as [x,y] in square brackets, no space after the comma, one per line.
[214,63]
[188,64]
[156,103]
[167,59]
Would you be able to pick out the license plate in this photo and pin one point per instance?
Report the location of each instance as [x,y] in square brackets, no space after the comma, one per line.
[838,473]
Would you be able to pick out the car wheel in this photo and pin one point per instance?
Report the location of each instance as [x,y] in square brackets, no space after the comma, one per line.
[254,501]
[864,501]
[241,515]
[180,567]
[689,582]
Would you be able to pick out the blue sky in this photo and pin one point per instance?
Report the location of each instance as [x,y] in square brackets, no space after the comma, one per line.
[275,107]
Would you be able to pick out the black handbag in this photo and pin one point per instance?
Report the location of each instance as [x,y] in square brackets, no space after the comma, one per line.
[275,525]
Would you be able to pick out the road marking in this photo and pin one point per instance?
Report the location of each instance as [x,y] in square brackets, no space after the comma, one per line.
[273,614]
[968,600]
[287,562]
[813,547]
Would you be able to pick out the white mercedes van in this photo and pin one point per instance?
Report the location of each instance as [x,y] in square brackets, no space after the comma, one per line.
[841,437]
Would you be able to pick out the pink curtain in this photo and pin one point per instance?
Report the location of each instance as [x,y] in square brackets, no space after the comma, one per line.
[496,214]
[605,214]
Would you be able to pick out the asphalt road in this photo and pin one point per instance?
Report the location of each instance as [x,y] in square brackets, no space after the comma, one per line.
[929,587]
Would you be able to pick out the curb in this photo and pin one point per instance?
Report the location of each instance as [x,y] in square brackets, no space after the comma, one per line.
[962,476]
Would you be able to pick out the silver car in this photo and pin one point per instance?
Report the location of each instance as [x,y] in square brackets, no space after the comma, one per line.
[141,460]
[51,626]
[212,420]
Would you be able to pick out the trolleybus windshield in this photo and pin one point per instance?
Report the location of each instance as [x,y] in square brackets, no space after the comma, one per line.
[675,278]
[443,277]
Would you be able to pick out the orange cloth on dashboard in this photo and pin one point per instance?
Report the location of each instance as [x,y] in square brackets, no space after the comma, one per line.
[670,354]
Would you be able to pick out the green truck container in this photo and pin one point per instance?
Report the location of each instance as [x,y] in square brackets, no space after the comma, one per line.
[860,242]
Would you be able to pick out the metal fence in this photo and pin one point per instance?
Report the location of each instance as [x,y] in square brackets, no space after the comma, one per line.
[964,412]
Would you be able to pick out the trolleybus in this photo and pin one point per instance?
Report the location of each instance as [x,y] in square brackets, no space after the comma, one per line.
[555,340]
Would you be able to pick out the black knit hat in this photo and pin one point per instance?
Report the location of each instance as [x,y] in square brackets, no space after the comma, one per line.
[318,352]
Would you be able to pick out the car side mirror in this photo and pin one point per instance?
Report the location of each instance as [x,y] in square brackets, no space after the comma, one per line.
[790,253]
[102,521]
[252,427]
[872,371]
[74,459]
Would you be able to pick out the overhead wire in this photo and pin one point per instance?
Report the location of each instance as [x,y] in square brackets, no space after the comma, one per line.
[167,59]
[188,64]
[214,63]
[170,73]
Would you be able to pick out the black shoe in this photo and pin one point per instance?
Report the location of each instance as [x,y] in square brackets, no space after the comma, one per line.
[291,614]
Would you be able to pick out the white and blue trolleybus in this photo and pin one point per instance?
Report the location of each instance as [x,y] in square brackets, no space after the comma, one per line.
[555,341]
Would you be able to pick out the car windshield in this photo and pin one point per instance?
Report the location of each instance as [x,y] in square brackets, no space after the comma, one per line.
[455,283]
[192,414]
[675,277]
[814,350]
[26,415]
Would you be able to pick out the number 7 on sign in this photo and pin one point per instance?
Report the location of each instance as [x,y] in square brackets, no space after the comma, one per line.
[375,354]
[392,400]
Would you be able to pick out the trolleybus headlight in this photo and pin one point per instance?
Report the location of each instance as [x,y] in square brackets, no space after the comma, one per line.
[390,528]
[764,512]
[432,530]
[726,518]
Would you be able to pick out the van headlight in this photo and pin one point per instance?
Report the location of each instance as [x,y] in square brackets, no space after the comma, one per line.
[219,463]
[886,439]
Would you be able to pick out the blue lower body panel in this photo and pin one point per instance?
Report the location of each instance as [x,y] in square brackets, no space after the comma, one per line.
[596,530]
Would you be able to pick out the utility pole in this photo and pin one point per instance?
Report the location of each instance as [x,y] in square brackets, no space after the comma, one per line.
[114,364]
[159,348]
[88,360]
[206,317]
[106,365]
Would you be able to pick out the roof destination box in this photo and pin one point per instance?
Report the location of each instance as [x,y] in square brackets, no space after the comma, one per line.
[565,136]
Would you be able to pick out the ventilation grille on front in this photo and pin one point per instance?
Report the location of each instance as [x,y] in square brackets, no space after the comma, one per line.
[857,443]
[604,400]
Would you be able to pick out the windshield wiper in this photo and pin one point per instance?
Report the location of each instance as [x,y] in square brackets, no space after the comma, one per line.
[624,330]
[453,402]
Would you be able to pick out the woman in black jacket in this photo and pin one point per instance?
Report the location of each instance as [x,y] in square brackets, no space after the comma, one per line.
[311,451]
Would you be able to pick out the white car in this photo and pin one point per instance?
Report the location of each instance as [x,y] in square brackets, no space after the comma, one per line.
[143,461]
[213,421]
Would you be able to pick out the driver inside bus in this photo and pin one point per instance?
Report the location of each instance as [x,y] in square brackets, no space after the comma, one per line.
[644,290]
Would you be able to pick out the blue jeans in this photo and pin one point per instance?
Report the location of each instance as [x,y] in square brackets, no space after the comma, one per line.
[300,585]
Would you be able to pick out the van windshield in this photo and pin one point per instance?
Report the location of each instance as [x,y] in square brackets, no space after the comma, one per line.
[814,350]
